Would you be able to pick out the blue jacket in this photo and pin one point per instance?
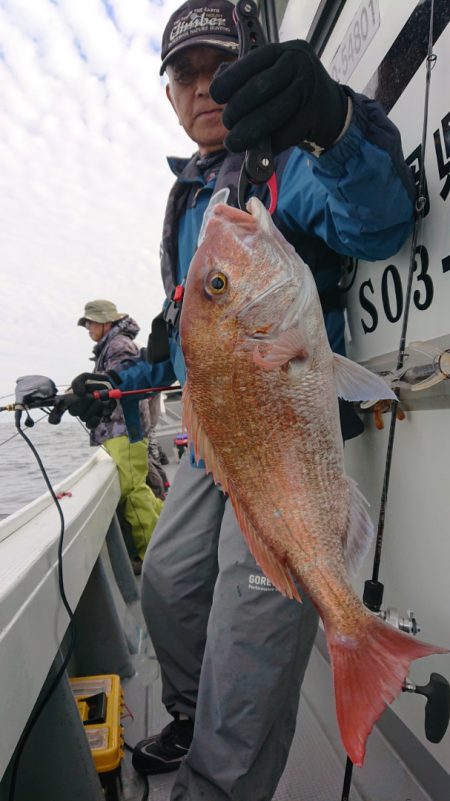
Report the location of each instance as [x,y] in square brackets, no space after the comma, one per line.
[357,199]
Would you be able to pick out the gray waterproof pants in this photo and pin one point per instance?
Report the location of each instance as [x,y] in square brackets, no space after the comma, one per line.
[232,650]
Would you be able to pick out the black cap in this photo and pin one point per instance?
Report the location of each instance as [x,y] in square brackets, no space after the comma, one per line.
[208,23]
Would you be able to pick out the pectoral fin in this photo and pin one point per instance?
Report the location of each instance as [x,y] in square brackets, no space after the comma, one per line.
[287,346]
[356,383]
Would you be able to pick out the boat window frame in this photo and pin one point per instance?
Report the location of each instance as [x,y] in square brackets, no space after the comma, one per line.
[323,24]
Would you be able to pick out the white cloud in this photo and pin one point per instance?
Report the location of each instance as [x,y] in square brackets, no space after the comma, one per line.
[84,130]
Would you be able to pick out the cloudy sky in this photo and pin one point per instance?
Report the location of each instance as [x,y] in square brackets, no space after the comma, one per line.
[84,130]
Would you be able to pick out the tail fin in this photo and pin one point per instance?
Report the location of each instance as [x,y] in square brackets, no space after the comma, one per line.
[368,674]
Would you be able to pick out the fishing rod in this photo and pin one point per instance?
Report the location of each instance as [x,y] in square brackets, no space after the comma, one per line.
[17,433]
[60,403]
[117,394]
[437,691]
[70,397]
[258,168]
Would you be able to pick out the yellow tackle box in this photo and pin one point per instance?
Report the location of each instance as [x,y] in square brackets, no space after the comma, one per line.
[100,703]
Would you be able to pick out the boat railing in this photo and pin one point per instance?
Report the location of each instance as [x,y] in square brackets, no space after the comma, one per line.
[34,621]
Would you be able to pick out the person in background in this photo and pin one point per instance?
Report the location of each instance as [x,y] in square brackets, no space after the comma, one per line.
[233,650]
[155,404]
[114,333]
[157,477]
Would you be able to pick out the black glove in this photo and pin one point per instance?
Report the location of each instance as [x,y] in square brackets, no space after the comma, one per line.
[89,410]
[58,410]
[281,91]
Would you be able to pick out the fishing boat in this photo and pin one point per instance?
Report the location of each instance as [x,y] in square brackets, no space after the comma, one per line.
[391,52]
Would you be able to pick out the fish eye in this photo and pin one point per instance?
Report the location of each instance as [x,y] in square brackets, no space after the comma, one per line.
[217,283]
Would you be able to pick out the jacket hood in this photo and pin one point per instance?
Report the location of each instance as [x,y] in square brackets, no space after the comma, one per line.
[126,327]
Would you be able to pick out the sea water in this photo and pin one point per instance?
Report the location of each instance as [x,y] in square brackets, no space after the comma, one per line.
[62,449]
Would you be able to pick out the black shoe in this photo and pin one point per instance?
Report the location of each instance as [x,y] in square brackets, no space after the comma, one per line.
[162,456]
[165,751]
[136,564]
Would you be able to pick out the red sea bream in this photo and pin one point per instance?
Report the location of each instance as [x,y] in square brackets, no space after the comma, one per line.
[261,407]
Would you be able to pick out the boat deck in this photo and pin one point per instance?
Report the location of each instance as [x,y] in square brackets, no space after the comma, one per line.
[316,764]
[315,768]
[112,638]
[312,756]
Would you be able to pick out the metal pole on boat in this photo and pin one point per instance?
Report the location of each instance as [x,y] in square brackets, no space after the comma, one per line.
[270,16]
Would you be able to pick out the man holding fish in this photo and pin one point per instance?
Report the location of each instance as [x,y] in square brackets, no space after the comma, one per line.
[263,485]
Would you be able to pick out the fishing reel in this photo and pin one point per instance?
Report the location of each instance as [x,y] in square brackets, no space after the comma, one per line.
[437,707]
[409,623]
[38,392]
[32,392]
[437,691]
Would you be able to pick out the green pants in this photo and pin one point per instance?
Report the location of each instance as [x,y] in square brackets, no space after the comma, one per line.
[140,507]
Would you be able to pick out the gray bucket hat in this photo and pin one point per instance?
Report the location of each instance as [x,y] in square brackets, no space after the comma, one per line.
[101,311]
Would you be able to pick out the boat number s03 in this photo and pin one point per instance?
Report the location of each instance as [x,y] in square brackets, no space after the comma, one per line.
[390,294]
